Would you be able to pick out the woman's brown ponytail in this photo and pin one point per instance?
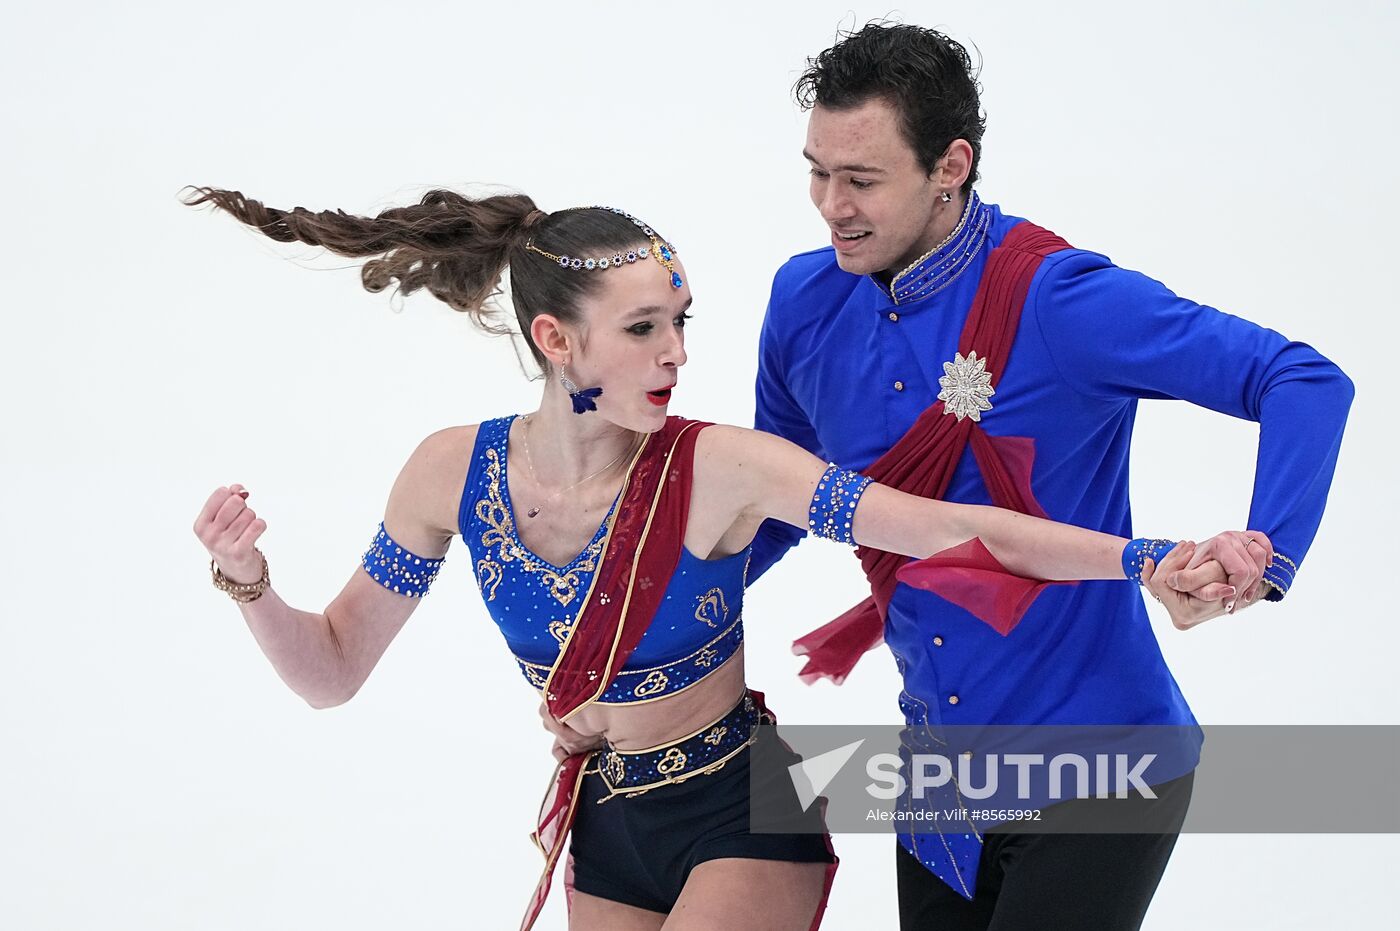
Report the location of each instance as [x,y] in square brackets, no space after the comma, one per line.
[455,247]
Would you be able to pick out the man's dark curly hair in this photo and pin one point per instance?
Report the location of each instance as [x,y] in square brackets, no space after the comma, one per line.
[926,76]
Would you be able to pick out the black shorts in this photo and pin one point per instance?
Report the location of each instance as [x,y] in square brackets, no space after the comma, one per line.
[640,850]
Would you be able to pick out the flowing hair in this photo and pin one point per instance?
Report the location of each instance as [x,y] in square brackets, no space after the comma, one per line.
[457,248]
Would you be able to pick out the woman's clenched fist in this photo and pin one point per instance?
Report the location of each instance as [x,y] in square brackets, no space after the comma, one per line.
[229,529]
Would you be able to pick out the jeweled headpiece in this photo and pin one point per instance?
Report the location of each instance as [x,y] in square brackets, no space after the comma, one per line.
[662,252]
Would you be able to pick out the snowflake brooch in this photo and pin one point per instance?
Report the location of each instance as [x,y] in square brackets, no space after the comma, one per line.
[966,387]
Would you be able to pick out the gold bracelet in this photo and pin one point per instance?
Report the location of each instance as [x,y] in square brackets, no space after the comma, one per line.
[241,592]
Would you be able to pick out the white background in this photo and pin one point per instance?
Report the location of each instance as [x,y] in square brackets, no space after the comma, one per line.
[156,774]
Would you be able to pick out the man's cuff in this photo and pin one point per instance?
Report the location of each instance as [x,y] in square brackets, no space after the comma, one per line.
[1279,577]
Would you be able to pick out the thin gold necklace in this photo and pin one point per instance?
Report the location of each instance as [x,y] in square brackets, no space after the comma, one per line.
[530,461]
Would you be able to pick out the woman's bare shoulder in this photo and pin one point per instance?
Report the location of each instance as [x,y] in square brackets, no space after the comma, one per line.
[732,456]
[447,443]
[762,474]
[729,447]
[429,488]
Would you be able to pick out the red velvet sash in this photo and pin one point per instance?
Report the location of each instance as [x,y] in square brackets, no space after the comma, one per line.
[923,462]
[640,554]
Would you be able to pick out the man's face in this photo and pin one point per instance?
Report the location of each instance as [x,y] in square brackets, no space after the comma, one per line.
[869,187]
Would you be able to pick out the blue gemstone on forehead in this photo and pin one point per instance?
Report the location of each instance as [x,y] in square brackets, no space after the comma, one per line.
[676,280]
[604,263]
[631,256]
[617,259]
[665,253]
[576,263]
[590,263]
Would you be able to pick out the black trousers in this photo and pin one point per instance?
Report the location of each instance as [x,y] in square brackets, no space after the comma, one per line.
[1097,882]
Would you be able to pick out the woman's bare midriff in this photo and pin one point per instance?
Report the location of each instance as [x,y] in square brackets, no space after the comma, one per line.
[649,724]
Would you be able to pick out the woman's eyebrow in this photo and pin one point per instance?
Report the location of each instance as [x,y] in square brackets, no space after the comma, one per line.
[650,309]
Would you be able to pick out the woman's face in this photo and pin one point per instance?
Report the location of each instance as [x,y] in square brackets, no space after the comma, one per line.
[633,343]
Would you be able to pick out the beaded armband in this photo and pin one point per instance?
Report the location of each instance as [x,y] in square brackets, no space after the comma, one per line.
[396,568]
[1139,551]
[834,503]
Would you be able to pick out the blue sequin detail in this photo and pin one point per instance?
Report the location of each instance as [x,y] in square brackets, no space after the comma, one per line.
[833,506]
[535,603]
[622,770]
[638,684]
[1139,551]
[396,568]
[944,265]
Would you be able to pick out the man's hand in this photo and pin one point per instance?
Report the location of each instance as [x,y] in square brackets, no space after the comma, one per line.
[1244,555]
[1186,610]
[567,740]
[1210,581]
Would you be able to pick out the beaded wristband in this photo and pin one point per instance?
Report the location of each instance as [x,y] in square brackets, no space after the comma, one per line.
[241,592]
[834,503]
[1139,551]
[396,568]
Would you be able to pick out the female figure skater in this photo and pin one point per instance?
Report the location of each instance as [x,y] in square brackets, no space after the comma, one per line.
[609,542]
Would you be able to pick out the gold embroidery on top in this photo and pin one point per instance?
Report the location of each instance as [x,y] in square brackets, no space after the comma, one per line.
[673,762]
[536,679]
[710,608]
[500,533]
[716,735]
[705,656]
[488,577]
[559,630]
[655,682]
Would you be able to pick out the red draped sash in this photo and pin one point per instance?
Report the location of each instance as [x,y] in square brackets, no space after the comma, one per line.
[640,553]
[922,463]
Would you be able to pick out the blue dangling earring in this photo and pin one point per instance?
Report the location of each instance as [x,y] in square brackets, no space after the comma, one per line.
[582,398]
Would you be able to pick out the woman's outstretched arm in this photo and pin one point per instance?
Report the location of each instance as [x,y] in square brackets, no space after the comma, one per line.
[325,657]
[776,479]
